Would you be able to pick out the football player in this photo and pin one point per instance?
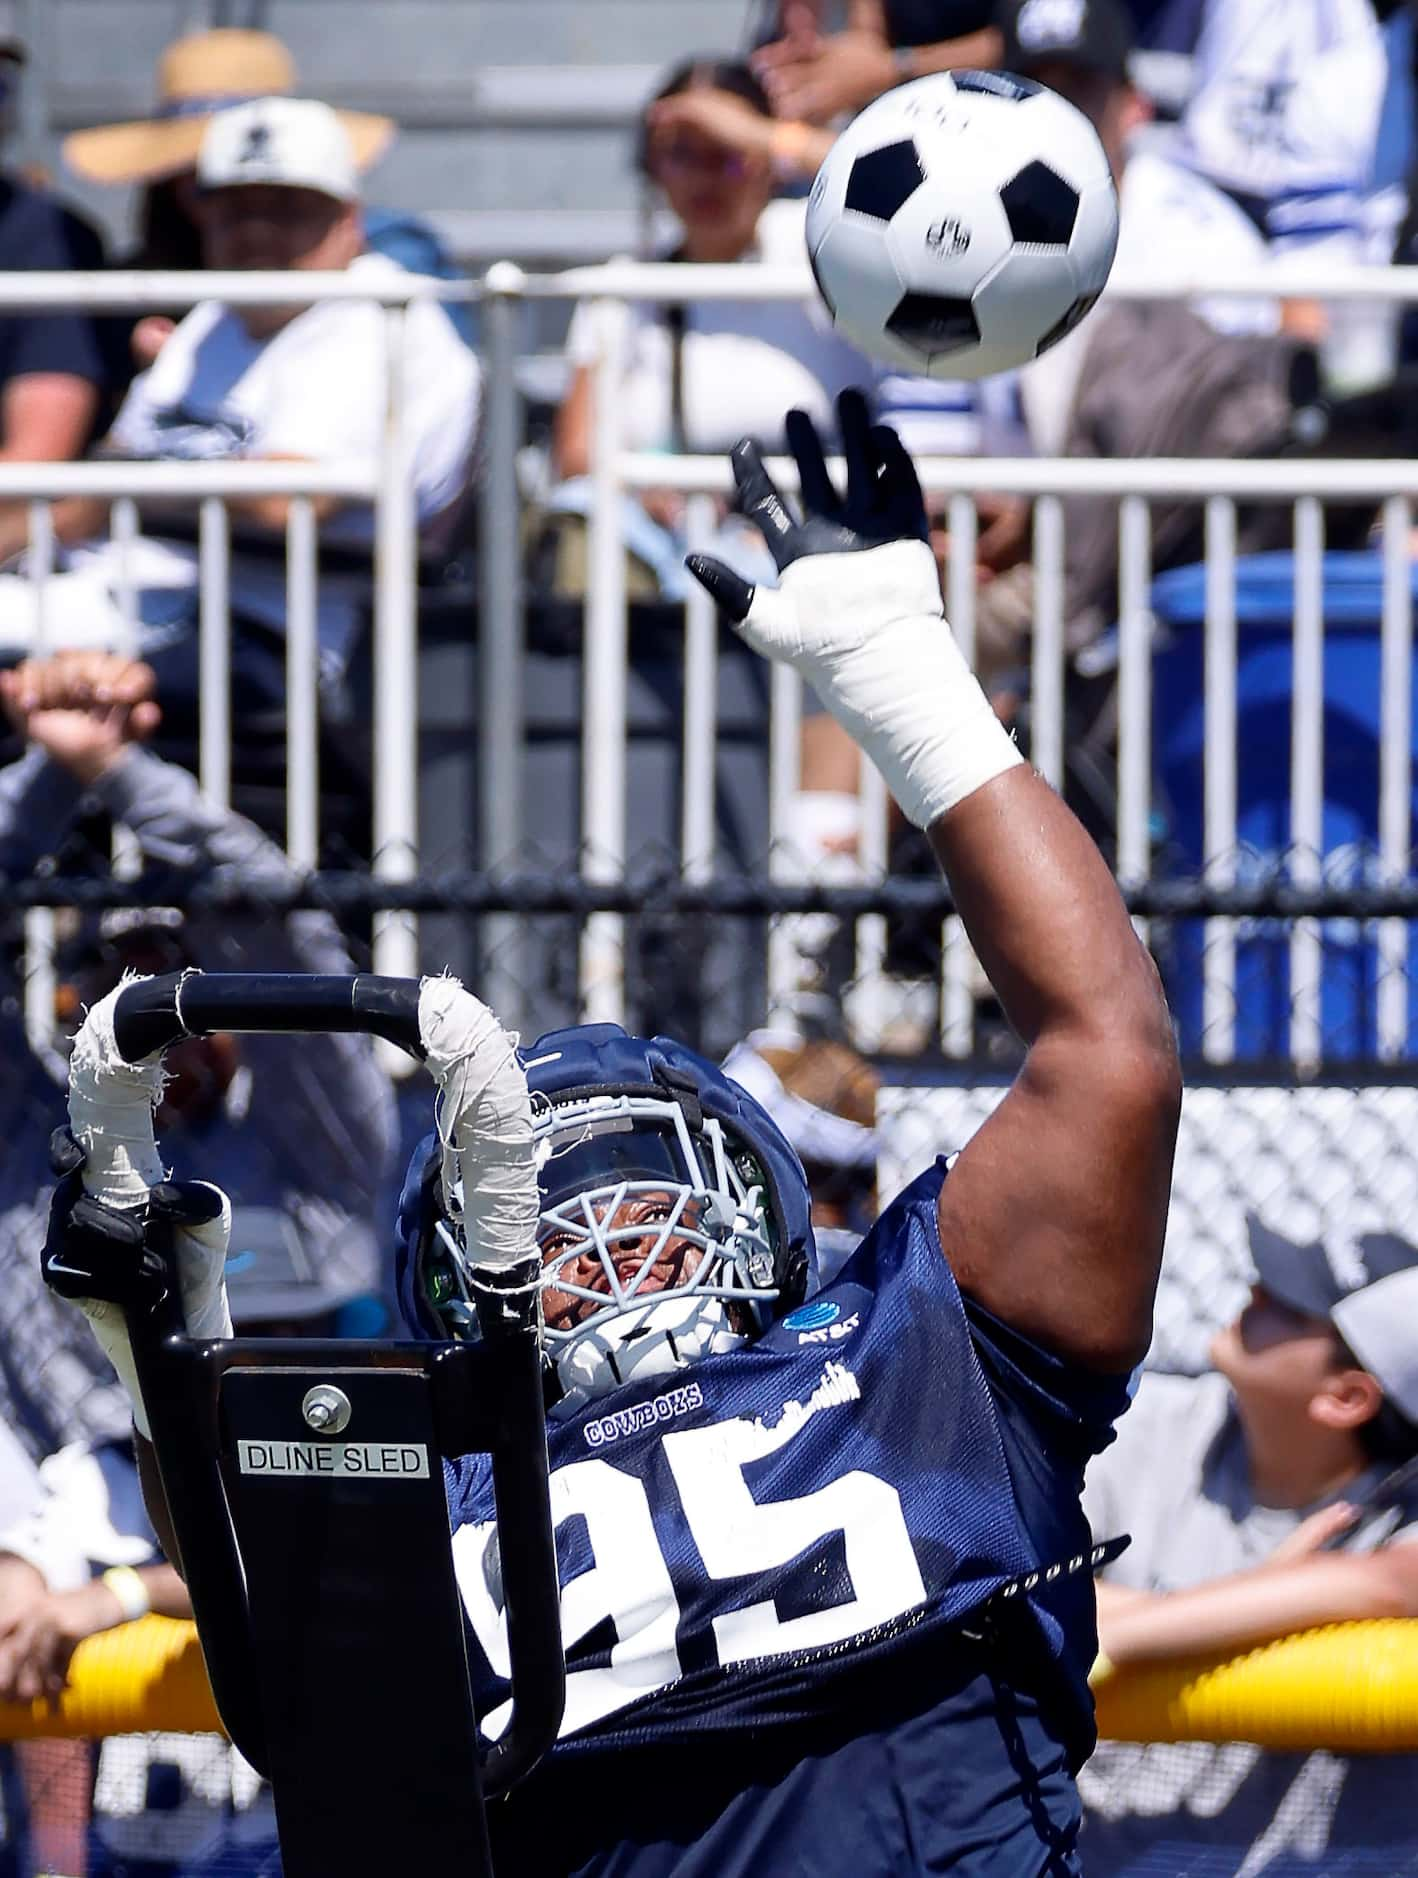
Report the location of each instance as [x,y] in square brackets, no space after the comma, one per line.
[826,1594]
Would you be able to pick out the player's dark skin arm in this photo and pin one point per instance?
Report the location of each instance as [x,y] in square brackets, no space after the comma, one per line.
[1053,1216]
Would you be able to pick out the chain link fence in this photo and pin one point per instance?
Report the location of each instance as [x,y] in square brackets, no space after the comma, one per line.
[135,1806]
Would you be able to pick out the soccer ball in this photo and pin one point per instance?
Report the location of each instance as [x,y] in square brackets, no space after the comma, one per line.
[962,224]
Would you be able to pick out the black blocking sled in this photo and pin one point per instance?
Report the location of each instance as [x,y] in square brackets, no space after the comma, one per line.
[305,1485]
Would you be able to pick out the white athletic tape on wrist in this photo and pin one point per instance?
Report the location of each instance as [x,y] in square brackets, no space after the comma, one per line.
[868,632]
[485,1124]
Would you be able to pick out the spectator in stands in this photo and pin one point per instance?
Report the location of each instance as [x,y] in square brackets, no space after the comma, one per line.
[279,189]
[1288,1499]
[51,369]
[1139,378]
[197,75]
[303,1129]
[814,77]
[698,376]
[84,1561]
[77,1557]
[1284,115]
[70,1552]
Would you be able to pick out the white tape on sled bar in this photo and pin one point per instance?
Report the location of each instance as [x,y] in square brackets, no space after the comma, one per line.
[484,1123]
[111,1106]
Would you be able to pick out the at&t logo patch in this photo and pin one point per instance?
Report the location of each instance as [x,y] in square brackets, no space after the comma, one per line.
[821,1322]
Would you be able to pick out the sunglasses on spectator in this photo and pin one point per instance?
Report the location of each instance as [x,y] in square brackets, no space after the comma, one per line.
[679,157]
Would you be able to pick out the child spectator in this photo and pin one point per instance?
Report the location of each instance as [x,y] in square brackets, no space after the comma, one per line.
[1274,1494]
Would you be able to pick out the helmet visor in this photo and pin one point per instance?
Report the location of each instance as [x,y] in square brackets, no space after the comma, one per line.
[644,1152]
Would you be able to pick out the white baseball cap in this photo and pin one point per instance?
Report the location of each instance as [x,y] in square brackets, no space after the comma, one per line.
[1380,1325]
[297,143]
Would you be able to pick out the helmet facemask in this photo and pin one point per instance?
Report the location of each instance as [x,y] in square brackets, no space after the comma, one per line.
[628,1189]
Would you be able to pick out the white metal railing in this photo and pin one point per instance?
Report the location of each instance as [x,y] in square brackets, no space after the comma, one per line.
[385,484]
[1218,486]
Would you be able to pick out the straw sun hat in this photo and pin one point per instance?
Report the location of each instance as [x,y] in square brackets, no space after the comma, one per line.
[198,76]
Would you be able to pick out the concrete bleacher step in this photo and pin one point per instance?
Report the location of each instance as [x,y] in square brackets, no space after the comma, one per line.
[506,107]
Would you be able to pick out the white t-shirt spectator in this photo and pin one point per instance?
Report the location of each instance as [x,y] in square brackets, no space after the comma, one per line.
[1285,110]
[1171,219]
[317,390]
[743,363]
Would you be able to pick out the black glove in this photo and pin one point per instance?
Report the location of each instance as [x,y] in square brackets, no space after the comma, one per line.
[883,501]
[114,1254]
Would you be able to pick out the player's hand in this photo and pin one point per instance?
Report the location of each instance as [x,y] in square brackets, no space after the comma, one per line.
[858,613]
[106,1259]
[823,602]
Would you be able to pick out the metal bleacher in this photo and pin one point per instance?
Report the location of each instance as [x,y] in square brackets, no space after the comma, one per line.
[514,114]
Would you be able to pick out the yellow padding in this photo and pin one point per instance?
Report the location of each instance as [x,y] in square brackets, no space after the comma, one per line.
[145,1675]
[1347,1687]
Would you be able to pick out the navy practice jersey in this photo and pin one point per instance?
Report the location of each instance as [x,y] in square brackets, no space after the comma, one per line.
[784,1556]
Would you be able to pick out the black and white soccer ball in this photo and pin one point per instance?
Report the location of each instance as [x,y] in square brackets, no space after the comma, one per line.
[962,224]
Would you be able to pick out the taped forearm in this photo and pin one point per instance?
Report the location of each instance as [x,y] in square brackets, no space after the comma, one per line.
[901,686]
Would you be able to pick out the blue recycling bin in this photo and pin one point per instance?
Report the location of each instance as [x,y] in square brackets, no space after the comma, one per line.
[1265,591]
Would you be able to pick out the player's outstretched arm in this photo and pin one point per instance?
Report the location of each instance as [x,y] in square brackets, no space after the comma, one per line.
[1054,1214]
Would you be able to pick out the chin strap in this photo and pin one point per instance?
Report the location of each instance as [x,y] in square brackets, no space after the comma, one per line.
[666,1336]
